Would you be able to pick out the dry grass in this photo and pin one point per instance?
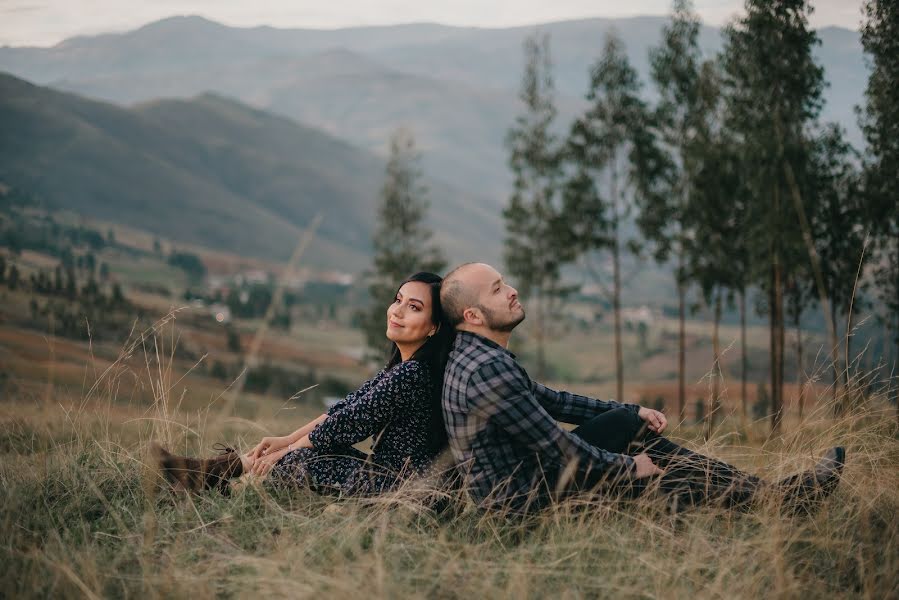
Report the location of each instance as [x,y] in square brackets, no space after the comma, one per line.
[82,516]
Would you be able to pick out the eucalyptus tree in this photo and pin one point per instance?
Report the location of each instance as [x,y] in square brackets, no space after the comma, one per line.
[536,247]
[774,95]
[837,221]
[879,119]
[715,215]
[680,116]
[402,242]
[613,157]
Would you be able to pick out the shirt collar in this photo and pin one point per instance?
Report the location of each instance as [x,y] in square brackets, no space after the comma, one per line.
[468,337]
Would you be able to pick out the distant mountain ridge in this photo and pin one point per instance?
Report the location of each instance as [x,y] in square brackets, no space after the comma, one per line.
[455,87]
[211,171]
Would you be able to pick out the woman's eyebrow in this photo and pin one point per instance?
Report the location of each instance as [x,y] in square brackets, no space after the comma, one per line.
[416,300]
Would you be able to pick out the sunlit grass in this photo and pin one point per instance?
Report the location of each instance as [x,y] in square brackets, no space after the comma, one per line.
[83,516]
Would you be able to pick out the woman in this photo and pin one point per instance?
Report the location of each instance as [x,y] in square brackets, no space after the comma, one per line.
[399,407]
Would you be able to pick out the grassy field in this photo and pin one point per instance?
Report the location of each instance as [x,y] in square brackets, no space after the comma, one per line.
[82,516]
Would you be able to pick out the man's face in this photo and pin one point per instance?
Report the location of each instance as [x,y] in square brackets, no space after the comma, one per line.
[497,300]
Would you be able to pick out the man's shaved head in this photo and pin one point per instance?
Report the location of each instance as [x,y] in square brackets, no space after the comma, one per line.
[480,287]
[456,294]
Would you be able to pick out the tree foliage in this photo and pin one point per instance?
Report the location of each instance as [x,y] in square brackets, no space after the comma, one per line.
[613,157]
[879,119]
[402,242]
[536,245]
[773,92]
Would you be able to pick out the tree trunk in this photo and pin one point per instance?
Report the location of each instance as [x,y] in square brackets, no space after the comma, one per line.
[715,400]
[776,320]
[779,307]
[837,400]
[848,371]
[744,359]
[539,334]
[616,291]
[682,344]
[800,371]
[616,305]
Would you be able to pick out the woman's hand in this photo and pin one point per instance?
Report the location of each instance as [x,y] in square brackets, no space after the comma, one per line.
[269,445]
[655,420]
[265,463]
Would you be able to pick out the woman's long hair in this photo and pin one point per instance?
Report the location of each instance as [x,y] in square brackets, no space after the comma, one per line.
[433,354]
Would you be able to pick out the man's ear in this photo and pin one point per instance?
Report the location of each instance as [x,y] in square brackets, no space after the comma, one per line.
[473,316]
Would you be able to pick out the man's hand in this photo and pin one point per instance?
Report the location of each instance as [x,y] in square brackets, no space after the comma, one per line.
[645,466]
[655,420]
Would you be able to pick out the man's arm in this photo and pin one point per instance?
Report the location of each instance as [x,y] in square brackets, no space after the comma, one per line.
[503,395]
[572,408]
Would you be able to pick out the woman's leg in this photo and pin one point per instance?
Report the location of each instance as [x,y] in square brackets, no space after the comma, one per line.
[326,472]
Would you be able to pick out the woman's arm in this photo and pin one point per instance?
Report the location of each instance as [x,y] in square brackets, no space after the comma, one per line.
[401,387]
[268,445]
[305,429]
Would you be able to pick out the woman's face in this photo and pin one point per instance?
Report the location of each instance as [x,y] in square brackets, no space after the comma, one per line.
[409,317]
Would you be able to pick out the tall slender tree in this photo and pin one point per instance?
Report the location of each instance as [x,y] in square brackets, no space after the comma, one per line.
[835,208]
[879,119]
[612,154]
[535,248]
[680,114]
[774,89]
[715,214]
[402,242]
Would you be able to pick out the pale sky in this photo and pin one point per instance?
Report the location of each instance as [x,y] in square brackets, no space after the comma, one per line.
[47,22]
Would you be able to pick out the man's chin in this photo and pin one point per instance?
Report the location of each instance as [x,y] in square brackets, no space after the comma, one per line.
[508,327]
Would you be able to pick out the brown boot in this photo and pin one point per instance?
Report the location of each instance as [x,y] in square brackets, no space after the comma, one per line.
[196,474]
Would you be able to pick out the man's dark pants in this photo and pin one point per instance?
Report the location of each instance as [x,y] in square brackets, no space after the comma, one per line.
[690,477]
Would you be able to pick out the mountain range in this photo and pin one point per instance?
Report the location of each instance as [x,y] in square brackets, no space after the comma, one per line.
[344,91]
[213,172]
[454,87]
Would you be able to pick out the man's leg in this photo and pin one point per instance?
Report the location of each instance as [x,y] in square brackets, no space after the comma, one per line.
[613,430]
[619,431]
[693,477]
[697,478]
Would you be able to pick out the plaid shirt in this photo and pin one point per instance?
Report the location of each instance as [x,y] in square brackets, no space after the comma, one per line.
[503,431]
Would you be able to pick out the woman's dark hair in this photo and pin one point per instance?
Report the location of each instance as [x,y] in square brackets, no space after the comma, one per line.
[433,354]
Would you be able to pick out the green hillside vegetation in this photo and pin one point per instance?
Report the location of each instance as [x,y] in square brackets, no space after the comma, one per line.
[209,171]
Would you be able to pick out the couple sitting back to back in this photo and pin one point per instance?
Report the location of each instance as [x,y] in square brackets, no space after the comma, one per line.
[451,378]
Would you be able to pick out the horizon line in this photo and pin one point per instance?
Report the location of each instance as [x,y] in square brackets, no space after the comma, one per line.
[122,32]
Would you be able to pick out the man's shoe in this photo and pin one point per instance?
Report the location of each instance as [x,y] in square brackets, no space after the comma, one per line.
[804,492]
[194,474]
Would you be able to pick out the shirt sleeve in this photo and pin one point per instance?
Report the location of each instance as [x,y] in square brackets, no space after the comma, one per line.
[369,412]
[502,394]
[351,397]
[572,408]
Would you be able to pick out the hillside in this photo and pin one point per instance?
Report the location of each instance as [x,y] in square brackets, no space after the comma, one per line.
[211,171]
[455,86]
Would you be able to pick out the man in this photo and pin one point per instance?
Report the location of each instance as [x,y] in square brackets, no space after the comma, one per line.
[504,434]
